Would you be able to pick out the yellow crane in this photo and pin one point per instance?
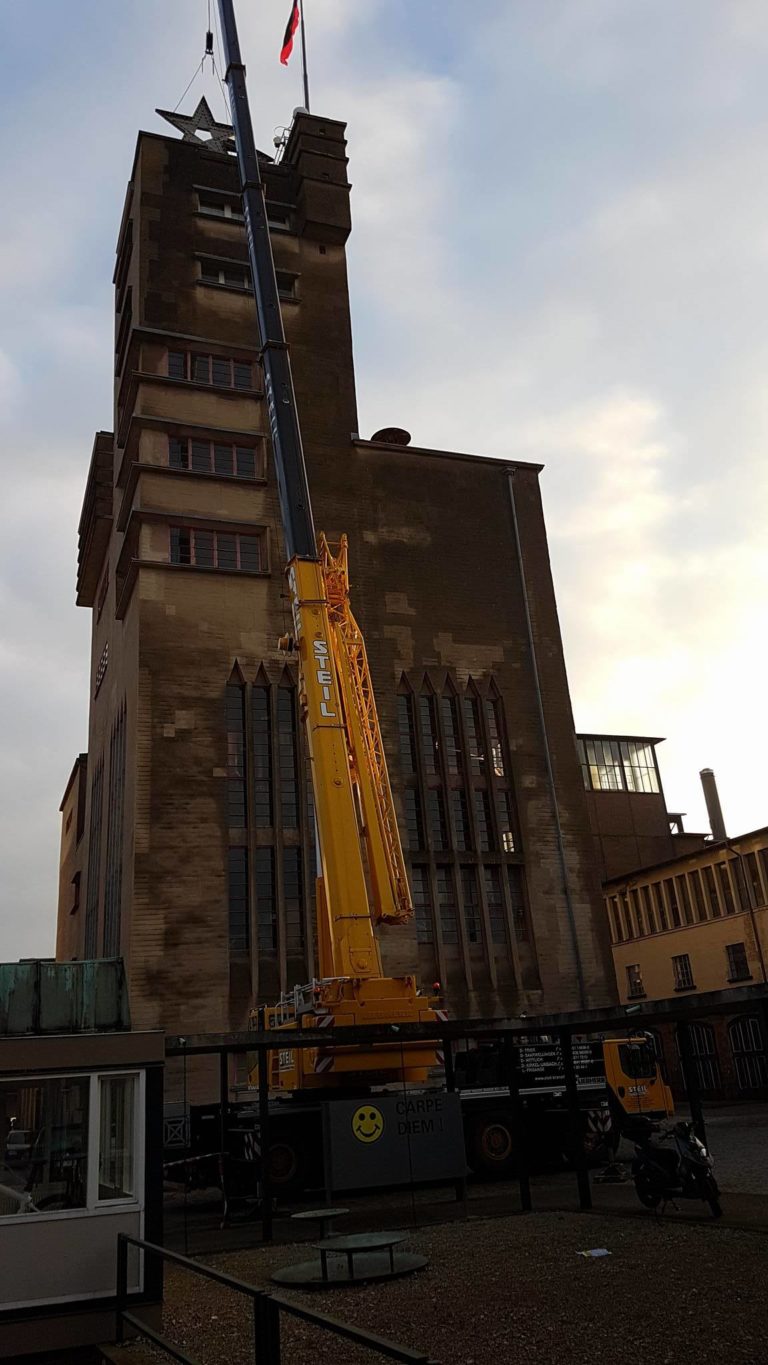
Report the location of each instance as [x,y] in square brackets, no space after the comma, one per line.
[362,877]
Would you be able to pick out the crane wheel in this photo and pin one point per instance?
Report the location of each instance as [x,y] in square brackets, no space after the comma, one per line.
[287,1165]
[491,1147]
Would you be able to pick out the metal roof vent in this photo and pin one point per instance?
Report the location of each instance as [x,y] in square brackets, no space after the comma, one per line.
[392,436]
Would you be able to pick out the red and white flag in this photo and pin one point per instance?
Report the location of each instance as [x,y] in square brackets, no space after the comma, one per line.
[290,29]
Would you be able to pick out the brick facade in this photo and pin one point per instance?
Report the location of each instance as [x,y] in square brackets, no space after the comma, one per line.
[436,587]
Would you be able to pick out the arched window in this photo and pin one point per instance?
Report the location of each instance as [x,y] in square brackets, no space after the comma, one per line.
[704,1052]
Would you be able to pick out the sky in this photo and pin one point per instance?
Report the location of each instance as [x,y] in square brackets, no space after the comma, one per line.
[559,254]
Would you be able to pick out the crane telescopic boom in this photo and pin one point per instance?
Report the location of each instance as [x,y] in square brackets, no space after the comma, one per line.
[362,871]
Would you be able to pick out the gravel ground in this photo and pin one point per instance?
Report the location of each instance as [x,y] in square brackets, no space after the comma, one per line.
[513,1290]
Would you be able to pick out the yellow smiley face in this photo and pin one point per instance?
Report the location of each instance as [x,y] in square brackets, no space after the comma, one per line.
[367,1123]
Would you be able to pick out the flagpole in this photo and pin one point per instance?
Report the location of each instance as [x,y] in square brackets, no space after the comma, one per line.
[304,58]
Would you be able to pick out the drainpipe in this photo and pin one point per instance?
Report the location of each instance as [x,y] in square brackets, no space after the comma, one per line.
[547,753]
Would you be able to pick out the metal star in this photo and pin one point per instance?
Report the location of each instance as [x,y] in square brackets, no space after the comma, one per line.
[218,137]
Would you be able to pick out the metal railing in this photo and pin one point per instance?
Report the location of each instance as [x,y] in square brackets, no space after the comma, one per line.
[267,1308]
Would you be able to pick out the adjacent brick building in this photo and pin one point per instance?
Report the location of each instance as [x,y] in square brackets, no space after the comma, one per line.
[196,856]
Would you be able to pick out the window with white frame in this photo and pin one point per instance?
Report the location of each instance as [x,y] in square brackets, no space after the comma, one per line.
[68,1142]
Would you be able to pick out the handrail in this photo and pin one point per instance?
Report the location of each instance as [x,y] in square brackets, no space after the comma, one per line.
[267,1308]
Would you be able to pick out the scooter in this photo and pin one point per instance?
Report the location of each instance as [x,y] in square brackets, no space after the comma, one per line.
[682,1171]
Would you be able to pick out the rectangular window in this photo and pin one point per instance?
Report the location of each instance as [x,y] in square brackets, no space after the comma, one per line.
[644,901]
[262,758]
[446,906]
[461,820]
[212,457]
[634,981]
[639,765]
[422,905]
[101,670]
[287,284]
[219,206]
[203,368]
[659,904]
[495,901]
[414,830]
[605,765]
[117,1123]
[287,758]
[44,1151]
[754,878]
[681,967]
[684,899]
[266,907]
[239,919]
[738,963]
[217,549]
[674,908]
[102,593]
[231,274]
[234,710]
[517,898]
[294,901]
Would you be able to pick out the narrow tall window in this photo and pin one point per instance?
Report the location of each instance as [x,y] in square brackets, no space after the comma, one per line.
[406,735]
[709,882]
[428,735]
[113,886]
[266,906]
[446,906]
[414,828]
[235,717]
[725,887]
[438,830]
[239,922]
[461,820]
[94,863]
[682,971]
[517,898]
[422,907]
[473,730]
[472,921]
[495,900]
[635,986]
[483,821]
[286,744]
[294,900]
[494,734]
[262,757]
[450,719]
[738,962]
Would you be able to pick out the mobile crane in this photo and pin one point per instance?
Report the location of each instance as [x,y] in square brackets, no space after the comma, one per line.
[362,877]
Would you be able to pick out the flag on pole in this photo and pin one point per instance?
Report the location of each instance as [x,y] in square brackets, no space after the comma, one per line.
[290,29]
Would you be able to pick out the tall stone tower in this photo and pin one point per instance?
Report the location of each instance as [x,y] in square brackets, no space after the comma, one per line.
[195,859]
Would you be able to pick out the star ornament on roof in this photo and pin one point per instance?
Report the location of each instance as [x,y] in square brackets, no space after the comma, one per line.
[202,128]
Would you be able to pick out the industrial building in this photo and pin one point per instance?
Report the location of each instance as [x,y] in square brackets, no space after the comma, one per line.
[187,827]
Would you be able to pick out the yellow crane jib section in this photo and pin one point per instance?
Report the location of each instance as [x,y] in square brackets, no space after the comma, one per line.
[386,864]
[346,937]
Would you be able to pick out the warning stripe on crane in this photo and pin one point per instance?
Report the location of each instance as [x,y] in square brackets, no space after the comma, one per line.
[323,1063]
[439,1054]
[324,1020]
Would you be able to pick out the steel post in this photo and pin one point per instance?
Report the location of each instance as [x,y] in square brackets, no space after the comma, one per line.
[575,1126]
[691,1080]
[265,1144]
[121,1286]
[520,1126]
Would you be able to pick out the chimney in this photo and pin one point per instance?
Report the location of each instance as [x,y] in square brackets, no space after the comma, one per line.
[714,810]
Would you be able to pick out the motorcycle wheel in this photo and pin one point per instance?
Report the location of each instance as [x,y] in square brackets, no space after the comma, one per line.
[647,1193]
[711,1195]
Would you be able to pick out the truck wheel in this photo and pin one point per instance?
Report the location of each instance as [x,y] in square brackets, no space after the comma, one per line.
[492,1147]
[287,1165]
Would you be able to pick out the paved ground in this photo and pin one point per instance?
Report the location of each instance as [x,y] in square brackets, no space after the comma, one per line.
[738,1140]
[514,1291]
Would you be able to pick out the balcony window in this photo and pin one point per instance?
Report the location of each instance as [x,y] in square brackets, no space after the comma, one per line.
[216,549]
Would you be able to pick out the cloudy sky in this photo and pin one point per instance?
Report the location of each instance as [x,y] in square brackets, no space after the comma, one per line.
[560,254]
